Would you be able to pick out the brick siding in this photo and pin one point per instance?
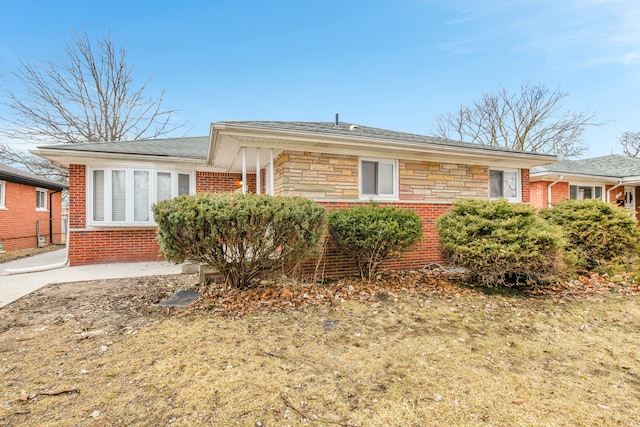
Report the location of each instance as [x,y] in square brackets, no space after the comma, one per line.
[18,229]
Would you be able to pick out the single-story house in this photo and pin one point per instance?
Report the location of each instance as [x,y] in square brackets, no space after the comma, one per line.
[30,210]
[112,185]
[614,179]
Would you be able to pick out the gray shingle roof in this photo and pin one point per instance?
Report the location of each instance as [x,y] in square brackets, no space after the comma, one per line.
[188,148]
[352,130]
[7,173]
[614,165]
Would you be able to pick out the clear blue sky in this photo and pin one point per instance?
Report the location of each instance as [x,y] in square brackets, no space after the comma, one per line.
[390,64]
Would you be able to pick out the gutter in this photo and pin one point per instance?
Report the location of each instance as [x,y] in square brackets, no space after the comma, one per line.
[549,190]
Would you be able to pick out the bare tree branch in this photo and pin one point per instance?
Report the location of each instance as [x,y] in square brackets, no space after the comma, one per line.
[630,142]
[530,120]
[88,95]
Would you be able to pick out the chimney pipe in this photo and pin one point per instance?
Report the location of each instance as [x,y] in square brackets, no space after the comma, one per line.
[337,120]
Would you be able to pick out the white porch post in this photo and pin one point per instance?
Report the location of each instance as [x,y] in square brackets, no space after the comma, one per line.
[244,170]
[258,183]
[271,185]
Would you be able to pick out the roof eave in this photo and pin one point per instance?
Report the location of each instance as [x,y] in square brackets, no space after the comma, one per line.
[66,157]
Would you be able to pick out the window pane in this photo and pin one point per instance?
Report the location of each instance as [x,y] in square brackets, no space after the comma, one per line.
[163,186]
[118,196]
[141,196]
[183,184]
[369,177]
[598,193]
[573,192]
[510,189]
[2,194]
[98,195]
[385,178]
[585,193]
[495,184]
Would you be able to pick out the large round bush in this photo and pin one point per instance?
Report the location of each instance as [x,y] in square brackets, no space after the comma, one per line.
[597,232]
[242,236]
[501,243]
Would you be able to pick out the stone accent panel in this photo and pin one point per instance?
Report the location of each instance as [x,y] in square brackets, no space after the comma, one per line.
[442,182]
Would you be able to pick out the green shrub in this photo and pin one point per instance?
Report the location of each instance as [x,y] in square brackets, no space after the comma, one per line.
[597,233]
[240,235]
[501,243]
[371,234]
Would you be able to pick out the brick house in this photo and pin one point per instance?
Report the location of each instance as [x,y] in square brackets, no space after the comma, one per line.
[112,185]
[30,210]
[614,179]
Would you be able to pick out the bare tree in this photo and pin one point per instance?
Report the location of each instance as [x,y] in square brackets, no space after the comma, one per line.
[88,95]
[530,120]
[630,142]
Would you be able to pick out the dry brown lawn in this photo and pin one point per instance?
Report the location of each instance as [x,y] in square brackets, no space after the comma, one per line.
[101,354]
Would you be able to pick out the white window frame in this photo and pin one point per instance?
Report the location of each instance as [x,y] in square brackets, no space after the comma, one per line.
[46,193]
[593,189]
[3,195]
[518,174]
[129,193]
[396,180]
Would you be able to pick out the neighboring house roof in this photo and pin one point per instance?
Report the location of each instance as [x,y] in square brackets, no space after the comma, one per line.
[613,167]
[7,173]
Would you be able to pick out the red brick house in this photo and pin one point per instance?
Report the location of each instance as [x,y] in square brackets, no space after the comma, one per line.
[614,179]
[30,210]
[113,185]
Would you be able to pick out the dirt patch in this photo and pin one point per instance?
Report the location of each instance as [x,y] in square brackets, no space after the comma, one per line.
[397,351]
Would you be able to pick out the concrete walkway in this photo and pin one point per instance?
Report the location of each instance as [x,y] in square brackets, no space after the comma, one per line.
[15,286]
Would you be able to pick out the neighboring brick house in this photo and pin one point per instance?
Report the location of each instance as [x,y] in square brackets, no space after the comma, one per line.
[30,210]
[614,179]
[112,185]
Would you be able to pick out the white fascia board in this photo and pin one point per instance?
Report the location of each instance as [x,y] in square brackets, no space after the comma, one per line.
[67,157]
[298,141]
[552,176]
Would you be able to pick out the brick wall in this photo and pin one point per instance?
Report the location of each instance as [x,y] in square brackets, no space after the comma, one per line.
[334,264]
[540,195]
[218,182]
[113,245]
[18,229]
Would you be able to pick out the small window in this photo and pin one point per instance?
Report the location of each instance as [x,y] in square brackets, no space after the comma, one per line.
[41,199]
[2,194]
[581,192]
[504,184]
[378,179]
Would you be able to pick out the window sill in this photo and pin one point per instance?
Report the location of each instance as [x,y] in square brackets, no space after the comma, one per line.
[42,210]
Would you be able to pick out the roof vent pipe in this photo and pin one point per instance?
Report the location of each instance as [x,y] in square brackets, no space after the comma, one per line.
[337,120]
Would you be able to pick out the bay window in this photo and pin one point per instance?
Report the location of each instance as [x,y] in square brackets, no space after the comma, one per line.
[124,196]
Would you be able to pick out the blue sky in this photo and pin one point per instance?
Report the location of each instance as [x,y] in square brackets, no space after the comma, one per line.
[390,64]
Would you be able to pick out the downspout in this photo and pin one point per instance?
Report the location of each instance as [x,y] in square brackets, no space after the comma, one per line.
[549,190]
[612,188]
[51,215]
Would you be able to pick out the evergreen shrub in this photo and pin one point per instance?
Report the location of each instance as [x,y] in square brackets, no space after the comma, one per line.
[502,243]
[597,233]
[372,234]
[242,236]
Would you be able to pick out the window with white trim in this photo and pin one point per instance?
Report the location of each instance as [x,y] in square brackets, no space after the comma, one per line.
[581,192]
[378,179]
[2,194]
[504,184]
[124,196]
[41,199]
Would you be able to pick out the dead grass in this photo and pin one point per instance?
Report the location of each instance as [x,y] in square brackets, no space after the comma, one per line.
[24,253]
[409,360]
